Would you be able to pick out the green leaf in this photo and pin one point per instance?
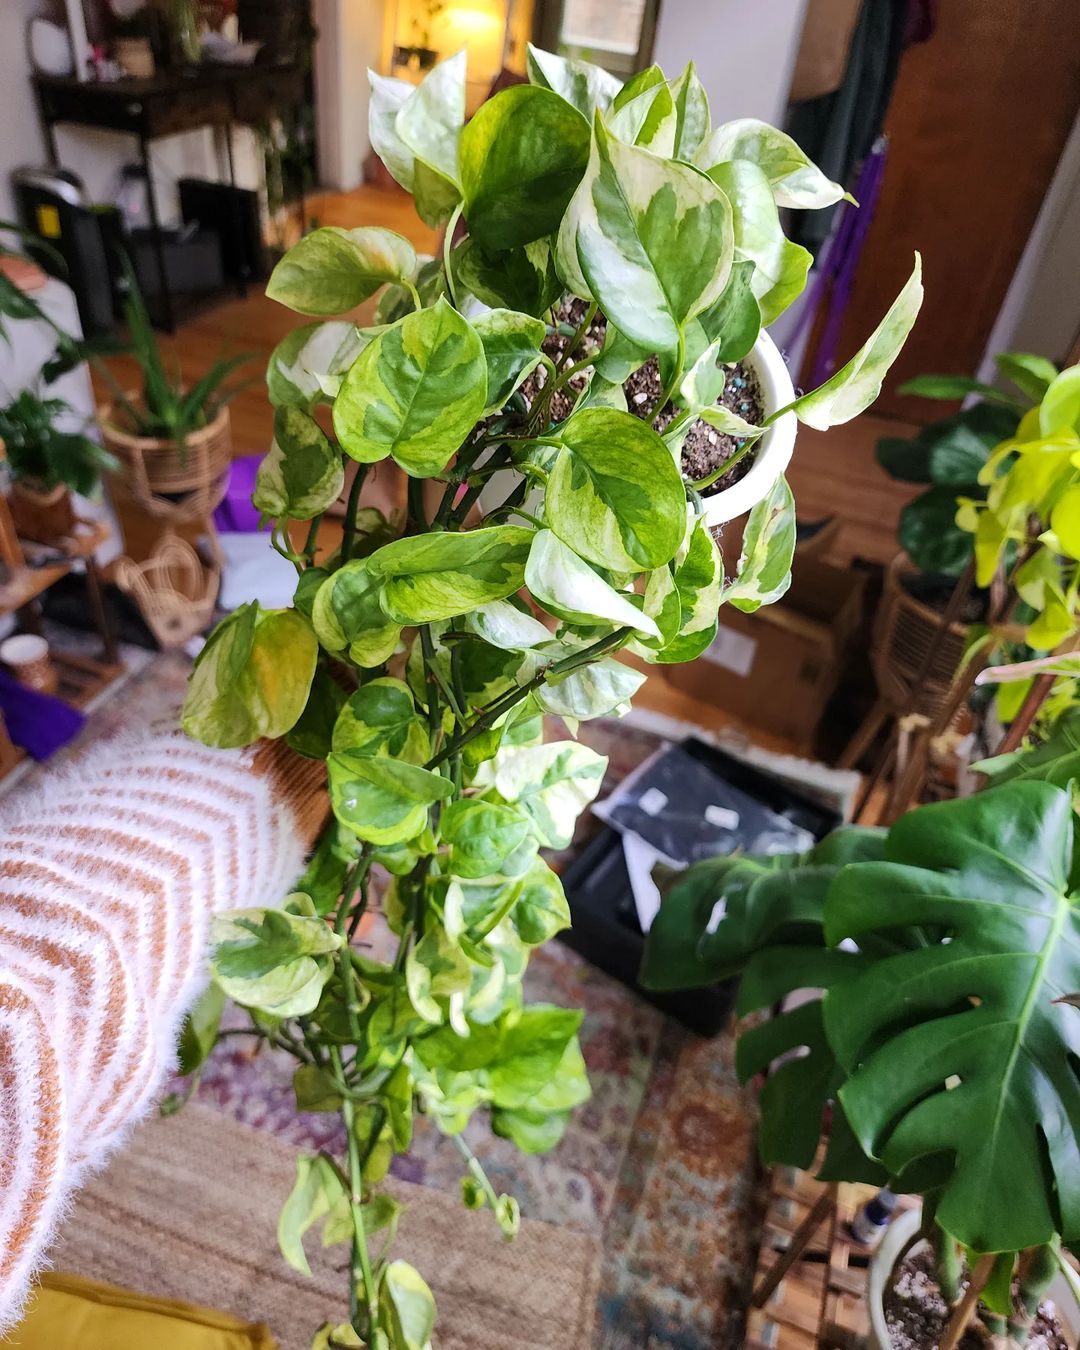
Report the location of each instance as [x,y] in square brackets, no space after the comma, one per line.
[540,910]
[596,690]
[377,719]
[780,267]
[586,87]
[855,386]
[1059,410]
[251,679]
[567,587]
[502,624]
[552,784]
[957,1047]
[332,270]
[530,1054]
[273,959]
[307,365]
[414,393]
[522,155]
[615,494]
[930,535]
[954,387]
[347,614]
[734,321]
[302,474]
[198,1035]
[1056,761]
[704,380]
[530,1131]
[437,576]
[650,240]
[511,350]
[407,1306]
[436,967]
[698,582]
[315,1089]
[1032,375]
[383,801]
[764,571]
[481,836]
[795,180]
[648,119]
[324,876]
[520,279]
[691,112]
[315,1192]
[310,736]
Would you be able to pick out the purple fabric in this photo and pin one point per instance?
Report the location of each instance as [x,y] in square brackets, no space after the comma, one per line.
[39,723]
[836,276]
[236,515]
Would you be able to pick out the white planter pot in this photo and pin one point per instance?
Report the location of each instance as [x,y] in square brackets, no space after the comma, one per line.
[881,1268]
[773,452]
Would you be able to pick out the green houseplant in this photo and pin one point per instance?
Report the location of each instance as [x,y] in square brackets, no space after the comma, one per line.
[421,669]
[937,963]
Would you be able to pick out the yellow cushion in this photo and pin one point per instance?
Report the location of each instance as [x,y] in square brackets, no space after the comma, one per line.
[67,1312]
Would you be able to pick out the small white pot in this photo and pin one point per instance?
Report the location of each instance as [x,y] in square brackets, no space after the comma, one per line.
[772,454]
[902,1228]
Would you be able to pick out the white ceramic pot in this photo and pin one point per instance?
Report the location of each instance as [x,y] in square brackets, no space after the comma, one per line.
[773,452]
[902,1228]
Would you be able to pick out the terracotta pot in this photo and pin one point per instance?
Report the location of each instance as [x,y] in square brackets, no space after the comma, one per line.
[27,657]
[44,517]
[171,481]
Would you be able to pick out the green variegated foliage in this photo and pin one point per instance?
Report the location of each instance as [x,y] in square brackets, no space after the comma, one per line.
[420,658]
[936,969]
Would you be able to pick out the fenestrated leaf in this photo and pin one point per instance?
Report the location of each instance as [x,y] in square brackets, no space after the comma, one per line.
[481,836]
[251,679]
[780,267]
[795,180]
[308,364]
[505,625]
[376,719]
[595,690]
[511,350]
[347,615]
[566,586]
[315,1192]
[302,473]
[1056,761]
[437,576]
[855,386]
[698,579]
[521,279]
[383,801]
[764,571]
[552,784]
[408,1306]
[331,270]
[957,1048]
[615,494]
[691,112]
[414,393]
[584,86]
[521,157]
[651,240]
[275,960]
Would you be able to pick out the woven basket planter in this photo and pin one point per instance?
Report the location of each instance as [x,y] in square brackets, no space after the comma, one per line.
[173,482]
[43,517]
[904,632]
[175,593]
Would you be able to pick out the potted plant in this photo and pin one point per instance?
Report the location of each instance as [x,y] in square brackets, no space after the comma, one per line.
[174,442]
[421,668]
[935,968]
[46,464]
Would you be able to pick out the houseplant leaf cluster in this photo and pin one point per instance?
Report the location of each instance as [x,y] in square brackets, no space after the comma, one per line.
[936,965]
[420,658]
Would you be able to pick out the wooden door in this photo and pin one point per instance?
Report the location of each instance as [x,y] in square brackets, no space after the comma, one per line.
[977,124]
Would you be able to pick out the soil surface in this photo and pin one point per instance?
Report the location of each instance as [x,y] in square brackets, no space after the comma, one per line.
[704,448]
[916,1314]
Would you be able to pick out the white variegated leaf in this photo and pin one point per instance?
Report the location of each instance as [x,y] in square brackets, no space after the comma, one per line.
[511,350]
[796,181]
[699,578]
[764,571]
[331,270]
[302,474]
[731,424]
[504,625]
[552,784]
[430,120]
[648,119]
[595,690]
[584,86]
[691,112]
[309,364]
[566,586]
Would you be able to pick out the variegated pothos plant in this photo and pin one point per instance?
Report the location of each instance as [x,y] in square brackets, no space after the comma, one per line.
[420,658]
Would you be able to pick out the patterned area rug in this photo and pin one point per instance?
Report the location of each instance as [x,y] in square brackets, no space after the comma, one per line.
[660,1164]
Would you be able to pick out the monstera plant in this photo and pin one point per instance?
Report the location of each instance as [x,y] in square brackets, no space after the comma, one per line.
[936,967]
[420,658]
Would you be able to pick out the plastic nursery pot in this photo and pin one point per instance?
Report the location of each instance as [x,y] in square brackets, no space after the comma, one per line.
[880,1278]
[773,452]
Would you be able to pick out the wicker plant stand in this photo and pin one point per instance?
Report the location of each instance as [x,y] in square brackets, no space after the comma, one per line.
[175,593]
[176,484]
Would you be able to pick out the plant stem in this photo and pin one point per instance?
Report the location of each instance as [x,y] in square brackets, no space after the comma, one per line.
[947,1264]
[494,711]
[312,538]
[962,1315]
[415,294]
[673,383]
[361,1261]
[448,242]
[476,1169]
[700,484]
[417,519]
[575,341]
[348,532]
[1036,1272]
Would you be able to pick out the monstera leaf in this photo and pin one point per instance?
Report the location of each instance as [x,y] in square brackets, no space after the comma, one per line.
[959,1049]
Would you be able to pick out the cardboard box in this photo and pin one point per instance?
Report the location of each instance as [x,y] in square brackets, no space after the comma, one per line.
[778,668]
